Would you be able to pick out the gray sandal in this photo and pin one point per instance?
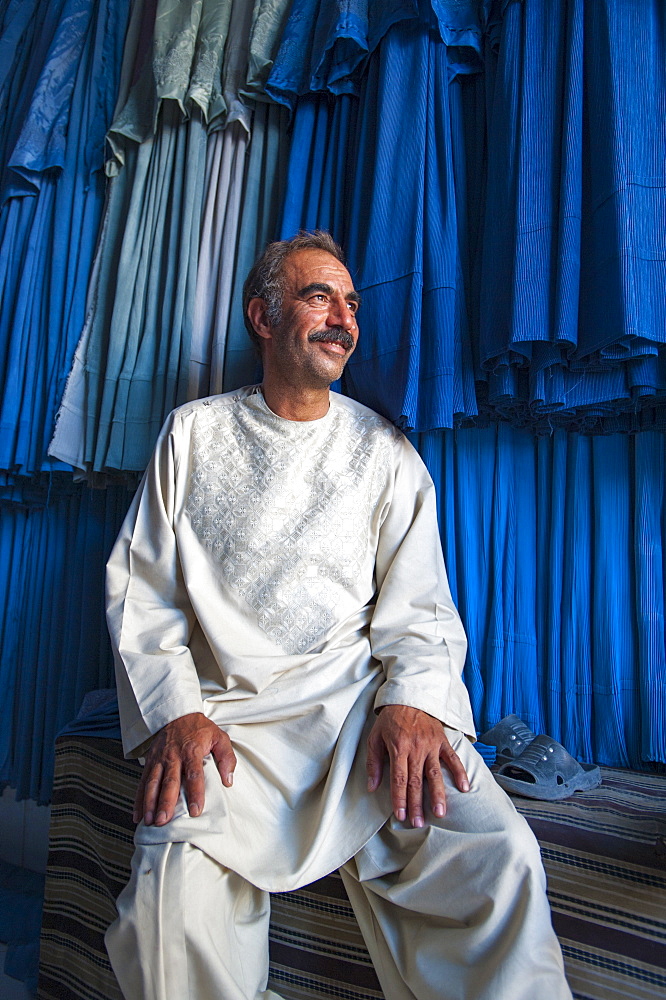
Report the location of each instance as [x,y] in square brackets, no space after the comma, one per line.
[511,736]
[546,771]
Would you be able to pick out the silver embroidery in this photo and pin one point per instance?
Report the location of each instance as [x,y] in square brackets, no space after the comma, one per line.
[286,509]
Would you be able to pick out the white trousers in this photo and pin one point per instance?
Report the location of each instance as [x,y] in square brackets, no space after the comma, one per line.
[455,910]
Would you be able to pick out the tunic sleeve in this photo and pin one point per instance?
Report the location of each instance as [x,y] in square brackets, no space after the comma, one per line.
[416,631]
[149,615]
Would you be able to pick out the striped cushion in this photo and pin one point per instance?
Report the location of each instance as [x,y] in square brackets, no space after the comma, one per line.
[606,885]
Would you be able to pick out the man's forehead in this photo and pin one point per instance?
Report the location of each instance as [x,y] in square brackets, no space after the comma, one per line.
[307,267]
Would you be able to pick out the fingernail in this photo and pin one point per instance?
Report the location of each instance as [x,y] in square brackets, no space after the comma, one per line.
[231,778]
[371,784]
[439,809]
[148,818]
[417,821]
[135,817]
[465,786]
[194,808]
[161,817]
[401,815]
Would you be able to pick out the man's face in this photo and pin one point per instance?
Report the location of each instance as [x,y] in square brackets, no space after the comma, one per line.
[318,331]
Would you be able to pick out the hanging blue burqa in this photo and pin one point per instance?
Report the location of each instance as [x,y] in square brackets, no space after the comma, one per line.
[573,315]
[366,169]
[56,101]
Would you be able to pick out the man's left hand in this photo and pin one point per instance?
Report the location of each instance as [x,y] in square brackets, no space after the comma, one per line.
[415,743]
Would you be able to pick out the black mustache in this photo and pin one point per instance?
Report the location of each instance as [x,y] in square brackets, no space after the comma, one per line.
[334,334]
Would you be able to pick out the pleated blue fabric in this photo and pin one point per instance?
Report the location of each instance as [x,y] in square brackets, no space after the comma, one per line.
[53,545]
[263,187]
[128,369]
[59,77]
[380,174]
[573,319]
[501,192]
[555,552]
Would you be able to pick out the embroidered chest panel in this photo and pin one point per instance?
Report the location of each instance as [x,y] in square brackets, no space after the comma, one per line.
[286,512]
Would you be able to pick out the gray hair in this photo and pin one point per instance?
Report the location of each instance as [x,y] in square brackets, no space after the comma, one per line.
[266,278]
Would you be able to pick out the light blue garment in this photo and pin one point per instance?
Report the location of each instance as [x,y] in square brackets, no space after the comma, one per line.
[130,367]
[263,189]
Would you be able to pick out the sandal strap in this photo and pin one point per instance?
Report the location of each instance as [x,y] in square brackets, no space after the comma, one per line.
[510,735]
[544,760]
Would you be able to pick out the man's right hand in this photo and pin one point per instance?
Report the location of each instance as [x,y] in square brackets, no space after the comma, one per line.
[175,758]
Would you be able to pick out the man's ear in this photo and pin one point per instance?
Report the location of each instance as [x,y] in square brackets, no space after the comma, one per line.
[257,315]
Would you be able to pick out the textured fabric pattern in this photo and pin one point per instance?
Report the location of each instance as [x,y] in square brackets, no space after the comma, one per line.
[571,318]
[606,885]
[234,630]
[128,371]
[268,20]
[286,557]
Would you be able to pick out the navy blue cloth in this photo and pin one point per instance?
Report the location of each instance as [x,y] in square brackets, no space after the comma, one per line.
[98,716]
[55,648]
[573,316]
[21,899]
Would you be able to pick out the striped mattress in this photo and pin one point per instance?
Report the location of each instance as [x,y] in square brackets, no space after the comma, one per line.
[604,853]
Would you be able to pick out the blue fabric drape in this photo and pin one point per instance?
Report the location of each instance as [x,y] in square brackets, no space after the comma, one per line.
[572,318]
[155,332]
[544,307]
[555,552]
[53,545]
[60,75]
[348,160]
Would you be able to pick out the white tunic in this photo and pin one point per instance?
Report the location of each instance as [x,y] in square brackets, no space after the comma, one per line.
[283,577]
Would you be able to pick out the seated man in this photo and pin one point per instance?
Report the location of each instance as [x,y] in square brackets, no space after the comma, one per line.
[283,626]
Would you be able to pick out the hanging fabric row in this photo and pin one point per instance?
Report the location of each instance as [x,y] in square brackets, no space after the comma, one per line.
[489,170]
[194,193]
[515,276]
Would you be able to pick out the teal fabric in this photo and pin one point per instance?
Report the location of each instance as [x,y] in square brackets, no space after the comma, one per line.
[128,371]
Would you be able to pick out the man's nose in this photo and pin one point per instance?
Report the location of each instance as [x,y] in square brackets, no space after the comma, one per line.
[339,314]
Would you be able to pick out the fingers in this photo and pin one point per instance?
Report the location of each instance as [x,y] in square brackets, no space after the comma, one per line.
[433,773]
[225,758]
[193,785]
[454,765]
[399,786]
[375,761]
[175,760]
[415,744]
